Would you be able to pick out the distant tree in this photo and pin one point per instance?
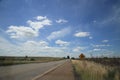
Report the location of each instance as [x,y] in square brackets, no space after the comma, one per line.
[72,58]
[68,57]
[26,57]
[64,57]
[105,57]
[32,59]
[82,56]
[2,58]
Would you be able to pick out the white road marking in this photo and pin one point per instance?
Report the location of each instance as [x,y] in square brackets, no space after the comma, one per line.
[39,76]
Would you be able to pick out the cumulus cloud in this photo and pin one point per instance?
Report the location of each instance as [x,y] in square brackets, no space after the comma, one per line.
[61,21]
[78,49]
[82,34]
[41,49]
[62,43]
[21,32]
[43,43]
[59,34]
[104,41]
[41,17]
[42,22]
[29,48]
[34,43]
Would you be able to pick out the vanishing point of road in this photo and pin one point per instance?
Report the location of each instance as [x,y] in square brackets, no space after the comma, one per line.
[57,70]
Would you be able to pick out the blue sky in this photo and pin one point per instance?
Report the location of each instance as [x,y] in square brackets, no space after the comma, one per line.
[59,28]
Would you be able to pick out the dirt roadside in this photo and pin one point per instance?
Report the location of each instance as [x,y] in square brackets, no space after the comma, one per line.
[63,72]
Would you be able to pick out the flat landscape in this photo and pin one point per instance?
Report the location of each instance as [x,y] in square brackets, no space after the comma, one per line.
[59,39]
[13,60]
[49,68]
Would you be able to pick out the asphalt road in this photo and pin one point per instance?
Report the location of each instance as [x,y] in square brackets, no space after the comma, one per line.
[63,72]
[26,71]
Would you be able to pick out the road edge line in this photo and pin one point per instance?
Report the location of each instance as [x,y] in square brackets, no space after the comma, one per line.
[48,71]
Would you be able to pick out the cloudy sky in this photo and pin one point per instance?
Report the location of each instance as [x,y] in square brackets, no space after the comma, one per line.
[59,27]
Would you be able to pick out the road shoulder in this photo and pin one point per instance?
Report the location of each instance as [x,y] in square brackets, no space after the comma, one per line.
[63,72]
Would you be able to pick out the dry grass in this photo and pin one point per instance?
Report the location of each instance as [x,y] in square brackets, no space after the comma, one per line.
[6,61]
[88,70]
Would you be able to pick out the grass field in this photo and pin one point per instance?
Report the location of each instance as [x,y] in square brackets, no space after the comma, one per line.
[89,70]
[7,60]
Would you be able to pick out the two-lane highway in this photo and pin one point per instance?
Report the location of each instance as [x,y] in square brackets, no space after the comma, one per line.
[26,71]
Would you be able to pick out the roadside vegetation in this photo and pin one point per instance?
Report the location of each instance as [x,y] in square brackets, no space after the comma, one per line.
[5,61]
[90,70]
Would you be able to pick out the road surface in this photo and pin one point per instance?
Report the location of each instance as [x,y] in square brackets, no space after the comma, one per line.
[26,71]
[63,72]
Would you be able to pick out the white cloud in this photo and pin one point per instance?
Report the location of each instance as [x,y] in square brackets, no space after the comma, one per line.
[30,48]
[61,21]
[96,49]
[41,17]
[62,43]
[42,22]
[101,45]
[41,49]
[6,48]
[30,43]
[59,34]
[34,43]
[82,34]
[21,32]
[78,49]
[43,43]
[104,41]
